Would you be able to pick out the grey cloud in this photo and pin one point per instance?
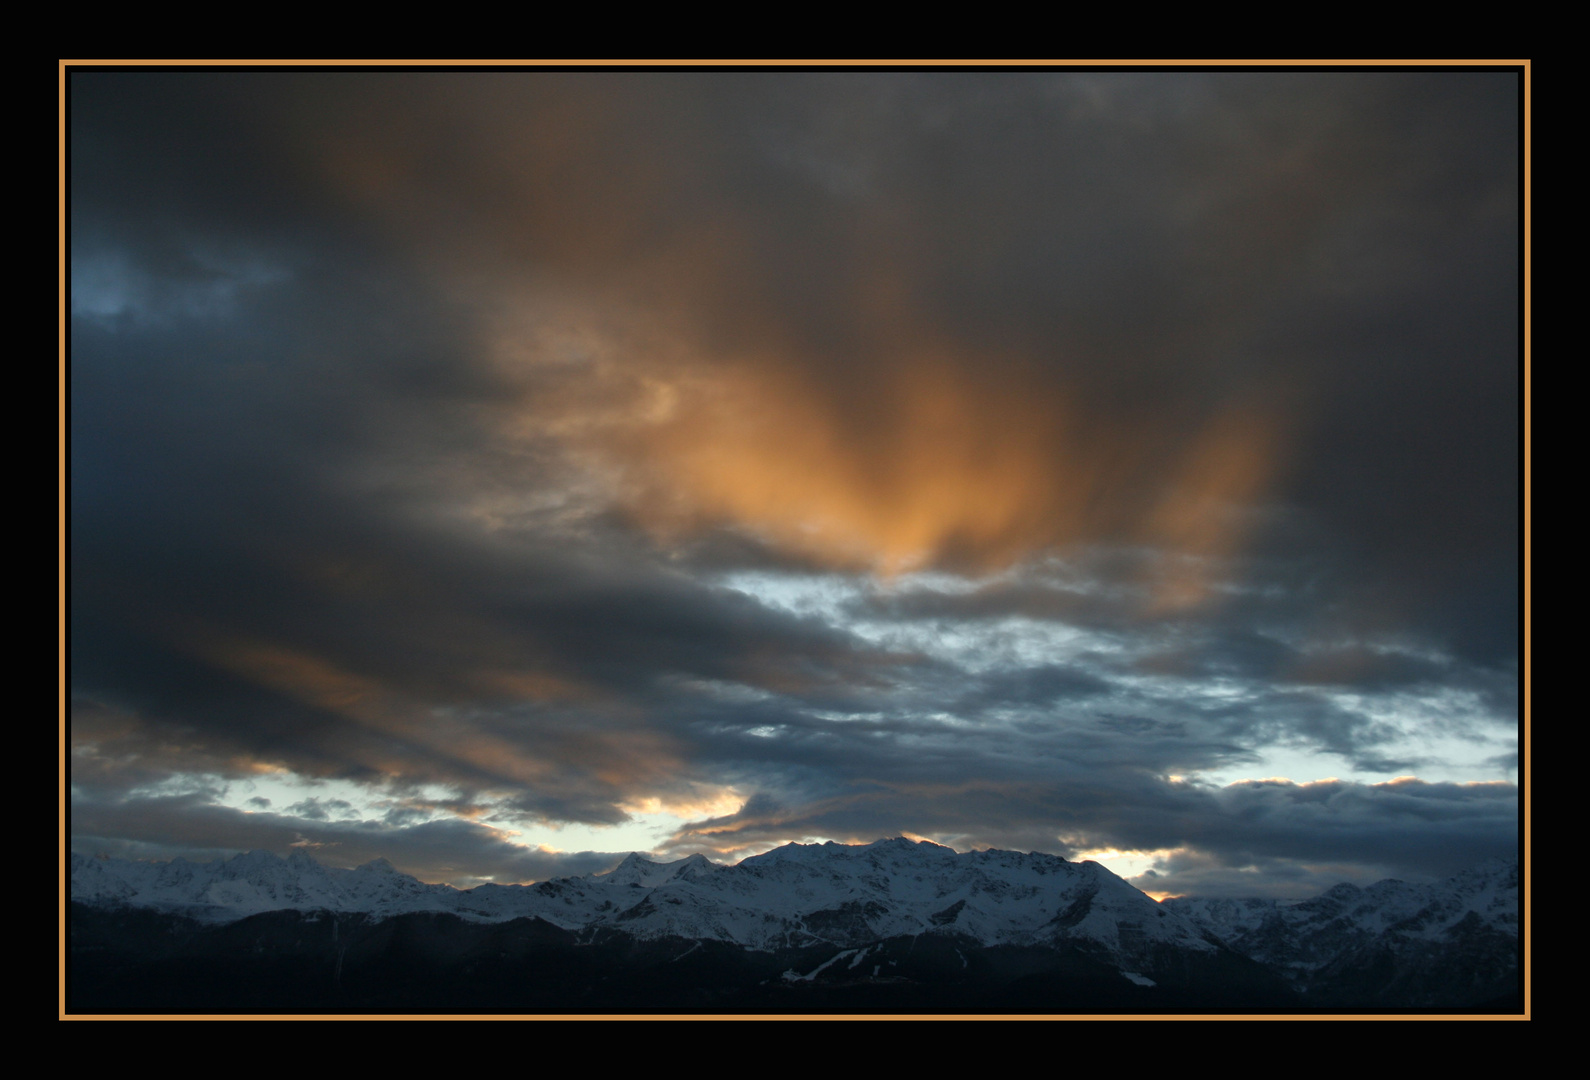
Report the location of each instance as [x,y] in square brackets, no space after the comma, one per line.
[284,413]
[319,809]
[1303,832]
[1033,686]
[454,851]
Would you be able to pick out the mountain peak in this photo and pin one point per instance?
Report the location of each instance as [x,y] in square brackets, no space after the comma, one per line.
[906,843]
[257,857]
[637,870]
[855,896]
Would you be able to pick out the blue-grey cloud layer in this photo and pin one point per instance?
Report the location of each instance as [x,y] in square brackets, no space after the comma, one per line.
[288,406]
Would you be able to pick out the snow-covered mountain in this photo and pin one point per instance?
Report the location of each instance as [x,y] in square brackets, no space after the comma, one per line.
[1418,943]
[896,925]
[259,881]
[790,897]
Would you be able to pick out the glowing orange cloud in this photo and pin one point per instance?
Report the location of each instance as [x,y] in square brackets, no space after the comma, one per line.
[623,760]
[636,314]
[945,462]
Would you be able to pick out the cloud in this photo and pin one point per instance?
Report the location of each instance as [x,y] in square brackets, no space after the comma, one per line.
[1271,837]
[1134,425]
[460,853]
[1278,838]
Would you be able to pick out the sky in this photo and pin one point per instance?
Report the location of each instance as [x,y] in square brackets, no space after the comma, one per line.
[498,472]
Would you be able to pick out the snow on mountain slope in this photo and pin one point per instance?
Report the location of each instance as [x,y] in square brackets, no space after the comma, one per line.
[637,870]
[853,894]
[1304,938]
[248,884]
[1392,944]
[791,896]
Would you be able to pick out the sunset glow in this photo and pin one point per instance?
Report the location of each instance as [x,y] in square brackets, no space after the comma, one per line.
[502,471]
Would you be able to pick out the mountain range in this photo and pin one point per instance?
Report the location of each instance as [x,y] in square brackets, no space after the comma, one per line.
[896,925]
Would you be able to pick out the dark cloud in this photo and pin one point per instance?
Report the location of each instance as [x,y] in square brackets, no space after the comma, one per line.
[1291,840]
[1037,686]
[420,424]
[461,853]
[1221,840]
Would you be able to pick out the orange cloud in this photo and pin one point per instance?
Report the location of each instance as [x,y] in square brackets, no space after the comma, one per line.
[652,350]
[620,761]
[930,460]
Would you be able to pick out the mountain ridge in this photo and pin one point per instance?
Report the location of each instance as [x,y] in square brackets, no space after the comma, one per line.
[838,906]
[791,895]
[1414,941]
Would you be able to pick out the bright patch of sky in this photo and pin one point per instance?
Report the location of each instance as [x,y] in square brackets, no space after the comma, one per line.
[1124,864]
[1438,734]
[321,801]
[1443,735]
[286,793]
[974,645]
[643,832]
[1444,761]
[821,595]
